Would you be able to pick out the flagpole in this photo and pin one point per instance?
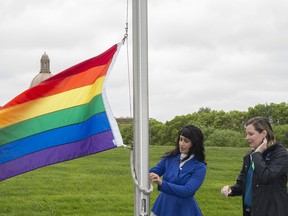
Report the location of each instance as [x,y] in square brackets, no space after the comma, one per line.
[140,106]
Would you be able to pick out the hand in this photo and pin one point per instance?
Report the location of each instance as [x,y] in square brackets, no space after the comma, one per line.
[262,147]
[155,179]
[226,190]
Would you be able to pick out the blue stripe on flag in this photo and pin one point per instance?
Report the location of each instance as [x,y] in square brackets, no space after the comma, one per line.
[59,136]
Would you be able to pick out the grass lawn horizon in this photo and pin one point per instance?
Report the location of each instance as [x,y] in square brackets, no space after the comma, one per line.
[102,185]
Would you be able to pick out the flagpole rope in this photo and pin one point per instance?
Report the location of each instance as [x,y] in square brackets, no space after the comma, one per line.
[132,158]
[126,28]
[129,79]
[134,176]
[125,38]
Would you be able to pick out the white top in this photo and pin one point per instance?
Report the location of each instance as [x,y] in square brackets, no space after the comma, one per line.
[183,162]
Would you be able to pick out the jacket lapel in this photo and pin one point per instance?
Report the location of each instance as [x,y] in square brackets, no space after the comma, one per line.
[175,165]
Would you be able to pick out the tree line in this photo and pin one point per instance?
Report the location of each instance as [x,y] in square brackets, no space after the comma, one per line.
[220,128]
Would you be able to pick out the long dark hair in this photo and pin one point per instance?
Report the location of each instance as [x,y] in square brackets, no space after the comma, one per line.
[196,136]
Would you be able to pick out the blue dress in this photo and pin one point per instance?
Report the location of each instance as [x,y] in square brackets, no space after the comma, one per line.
[179,186]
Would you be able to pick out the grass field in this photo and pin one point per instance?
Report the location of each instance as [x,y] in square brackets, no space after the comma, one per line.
[102,185]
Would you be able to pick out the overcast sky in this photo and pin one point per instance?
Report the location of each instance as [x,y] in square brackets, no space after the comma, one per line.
[222,54]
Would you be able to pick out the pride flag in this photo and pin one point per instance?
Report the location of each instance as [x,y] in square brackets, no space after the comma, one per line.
[64,117]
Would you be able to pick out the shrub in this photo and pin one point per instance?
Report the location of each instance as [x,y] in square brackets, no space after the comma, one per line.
[226,138]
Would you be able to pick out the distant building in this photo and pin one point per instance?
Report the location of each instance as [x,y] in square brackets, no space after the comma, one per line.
[45,72]
[126,120]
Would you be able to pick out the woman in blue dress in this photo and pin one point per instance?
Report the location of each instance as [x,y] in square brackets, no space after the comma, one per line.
[183,171]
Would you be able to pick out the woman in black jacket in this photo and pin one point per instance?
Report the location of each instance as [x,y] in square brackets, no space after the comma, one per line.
[263,179]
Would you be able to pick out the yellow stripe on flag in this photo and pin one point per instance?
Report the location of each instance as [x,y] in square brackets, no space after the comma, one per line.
[50,104]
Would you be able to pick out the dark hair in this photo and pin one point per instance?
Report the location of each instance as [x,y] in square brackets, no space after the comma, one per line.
[196,136]
[260,124]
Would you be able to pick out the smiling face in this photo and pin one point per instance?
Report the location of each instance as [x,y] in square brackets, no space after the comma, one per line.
[253,137]
[184,144]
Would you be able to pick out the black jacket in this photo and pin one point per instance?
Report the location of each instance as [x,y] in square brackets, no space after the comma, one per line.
[269,183]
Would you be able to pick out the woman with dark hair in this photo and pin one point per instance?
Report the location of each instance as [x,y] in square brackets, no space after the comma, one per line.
[183,170]
[263,179]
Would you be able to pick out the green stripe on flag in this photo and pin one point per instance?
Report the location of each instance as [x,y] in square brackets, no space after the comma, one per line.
[50,121]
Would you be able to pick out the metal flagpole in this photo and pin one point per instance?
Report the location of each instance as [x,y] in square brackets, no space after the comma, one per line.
[140,106]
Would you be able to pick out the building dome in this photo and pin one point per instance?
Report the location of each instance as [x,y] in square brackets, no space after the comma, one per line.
[45,72]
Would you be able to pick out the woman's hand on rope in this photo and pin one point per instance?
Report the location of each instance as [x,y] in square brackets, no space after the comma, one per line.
[155,179]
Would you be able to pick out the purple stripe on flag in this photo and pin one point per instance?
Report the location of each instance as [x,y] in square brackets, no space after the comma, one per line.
[97,143]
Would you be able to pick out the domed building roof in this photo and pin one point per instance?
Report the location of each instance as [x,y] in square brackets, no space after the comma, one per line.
[45,72]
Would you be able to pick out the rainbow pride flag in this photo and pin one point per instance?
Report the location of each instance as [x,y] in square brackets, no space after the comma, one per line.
[62,118]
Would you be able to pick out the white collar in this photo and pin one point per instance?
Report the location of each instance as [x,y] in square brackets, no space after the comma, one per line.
[183,162]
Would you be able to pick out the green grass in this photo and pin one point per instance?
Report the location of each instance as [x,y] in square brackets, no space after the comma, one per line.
[102,185]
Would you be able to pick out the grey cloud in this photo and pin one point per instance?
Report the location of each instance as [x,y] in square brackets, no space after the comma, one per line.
[226,55]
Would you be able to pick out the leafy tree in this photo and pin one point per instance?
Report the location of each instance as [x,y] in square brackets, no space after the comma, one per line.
[226,138]
[280,112]
[276,113]
[263,110]
[157,132]
[219,128]
[126,131]
[207,131]
[281,134]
